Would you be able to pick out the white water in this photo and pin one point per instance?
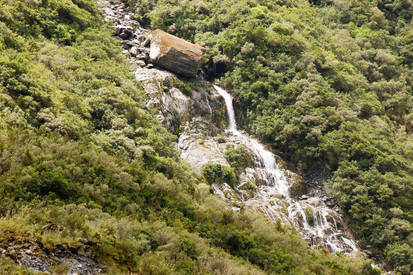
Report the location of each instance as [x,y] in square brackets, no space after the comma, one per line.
[274,196]
[232,124]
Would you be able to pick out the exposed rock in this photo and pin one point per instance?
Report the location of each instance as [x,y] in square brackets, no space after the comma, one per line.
[226,193]
[178,108]
[193,145]
[142,56]
[175,54]
[146,42]
[134,51]
[174,100]
[32,254]
[128,44]
[124,32]
[140,63]
[298,188]
[216,67]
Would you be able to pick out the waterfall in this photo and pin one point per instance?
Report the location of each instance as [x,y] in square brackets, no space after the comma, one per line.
[272,198]
[232,124]
[321,229]
[264,159]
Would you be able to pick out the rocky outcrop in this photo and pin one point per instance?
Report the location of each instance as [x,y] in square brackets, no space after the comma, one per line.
[31,253]
[178,107]
[177,102]
[175,54]
[135,39]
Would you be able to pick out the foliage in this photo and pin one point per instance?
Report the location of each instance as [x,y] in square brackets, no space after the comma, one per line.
[7,266]
[80,150]
[326,83]
[217,173]
[238,158]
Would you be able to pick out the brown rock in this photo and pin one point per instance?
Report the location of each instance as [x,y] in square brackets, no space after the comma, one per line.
[124,32]
[175,54]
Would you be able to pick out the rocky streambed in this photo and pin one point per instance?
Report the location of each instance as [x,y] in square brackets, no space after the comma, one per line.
[203,118]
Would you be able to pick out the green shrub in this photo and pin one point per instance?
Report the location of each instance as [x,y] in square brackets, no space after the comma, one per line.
[217,173]
[325,83]
[238,158]
[83,157]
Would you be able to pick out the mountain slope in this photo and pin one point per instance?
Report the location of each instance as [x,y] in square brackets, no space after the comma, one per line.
[329,85]
[89,177]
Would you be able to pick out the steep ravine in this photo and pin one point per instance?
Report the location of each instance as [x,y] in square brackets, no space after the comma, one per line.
[197,114]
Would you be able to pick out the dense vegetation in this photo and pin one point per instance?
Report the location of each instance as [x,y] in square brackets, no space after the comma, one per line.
[327,83]
[82,157]
[238,159]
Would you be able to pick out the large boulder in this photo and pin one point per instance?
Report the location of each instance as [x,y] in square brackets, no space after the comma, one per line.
[175,54]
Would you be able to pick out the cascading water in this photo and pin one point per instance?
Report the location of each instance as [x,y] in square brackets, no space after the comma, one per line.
[320,224]
[232,124]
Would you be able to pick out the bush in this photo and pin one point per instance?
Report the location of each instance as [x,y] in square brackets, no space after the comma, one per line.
[325,84]
[238,158]
[216,173]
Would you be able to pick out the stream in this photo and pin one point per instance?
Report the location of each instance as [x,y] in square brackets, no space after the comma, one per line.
[321,225]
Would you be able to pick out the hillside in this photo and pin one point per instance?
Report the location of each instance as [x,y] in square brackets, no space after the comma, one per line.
[328,84]
[91,181]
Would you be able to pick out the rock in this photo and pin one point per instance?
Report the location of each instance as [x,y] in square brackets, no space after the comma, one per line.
[175,106]
[217,66]
[175,54]
[142,56]
[124,32]
[134,51]
[330,203]
[136,41]
[194,145]
[140,63]
[151,76]
[145,51]
[128,44]
[141,38]
[146,42]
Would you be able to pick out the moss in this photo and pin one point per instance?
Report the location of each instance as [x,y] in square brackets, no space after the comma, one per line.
[298,187]
[7,266]
[310,215]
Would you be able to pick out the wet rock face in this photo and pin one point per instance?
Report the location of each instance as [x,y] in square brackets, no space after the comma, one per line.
[177,108]
[199,149]
[175,54]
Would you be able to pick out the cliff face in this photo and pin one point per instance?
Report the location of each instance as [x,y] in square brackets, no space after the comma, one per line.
[180,103]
